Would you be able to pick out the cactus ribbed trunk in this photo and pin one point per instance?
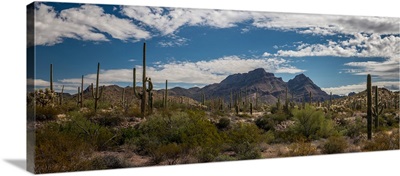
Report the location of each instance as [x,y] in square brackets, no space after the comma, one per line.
[166,95]
[369,107]
[96,95]
[144,99]
[81,97]
[62,95]
[251,108]
[376,108]
[51,78]
[142,94]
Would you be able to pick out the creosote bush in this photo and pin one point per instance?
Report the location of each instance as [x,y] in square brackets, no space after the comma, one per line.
[312,124]
[383,141]
[335,144]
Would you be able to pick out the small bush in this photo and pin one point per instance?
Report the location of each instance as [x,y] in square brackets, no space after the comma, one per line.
[383,141]
[244,140]
[223,123]
[301,149]
[108,162]
[58,151]
[265,123]
[335,144]
[46,113]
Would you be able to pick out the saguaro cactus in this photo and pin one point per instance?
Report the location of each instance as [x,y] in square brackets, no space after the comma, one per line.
[96,96]
[378,109]
[80,94]
[166,95]
[251,108]
[51,78]
[286,108]
[310,98]
[369,107]
[62,95]
[142,95]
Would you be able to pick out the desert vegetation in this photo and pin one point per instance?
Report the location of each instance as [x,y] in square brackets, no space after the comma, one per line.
[139,126]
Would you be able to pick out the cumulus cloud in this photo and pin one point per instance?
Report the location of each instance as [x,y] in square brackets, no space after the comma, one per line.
[88,22]
[346,89]
[37,82]
[170,20]
[189,72]
[173,41]
[91,23]
[327,24]
[361,45]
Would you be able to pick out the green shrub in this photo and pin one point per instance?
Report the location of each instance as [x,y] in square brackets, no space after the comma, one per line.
[46,113]
[356,128]
[189,130]
[335,144]
[244,140]
[223,123]
[98,136]
[111,118]
[311,123]
[58,151]
[265,123]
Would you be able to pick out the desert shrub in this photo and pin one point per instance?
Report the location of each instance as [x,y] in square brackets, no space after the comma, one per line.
[110,118]
[225,158]
[335,144]
[108,162]
[383,141]
[46,113]
[58,151]
[244,139]
[390,120]
[265,123]
[98,136]
[223,123]
[311,123]
[355,128]
[301,148]
[170,152]
[189,130]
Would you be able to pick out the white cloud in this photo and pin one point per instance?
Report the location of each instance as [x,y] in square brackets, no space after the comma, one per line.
[346,89]
[363,46]
[200,72]
[266,54]
[91,23]
[37,82]
[327,24]
[173,41]
[88,22]
[169,20]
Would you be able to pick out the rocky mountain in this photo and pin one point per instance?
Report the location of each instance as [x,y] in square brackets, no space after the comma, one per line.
[301,86]
[256,83]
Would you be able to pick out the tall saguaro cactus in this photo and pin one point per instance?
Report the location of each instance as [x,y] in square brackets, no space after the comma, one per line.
[142,95]
[51,78]
[377,110]
[166,95]
[97,95]
[80,94]
[369,107]
[62,95]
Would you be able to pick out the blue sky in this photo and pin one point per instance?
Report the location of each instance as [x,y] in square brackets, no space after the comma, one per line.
[194,47]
